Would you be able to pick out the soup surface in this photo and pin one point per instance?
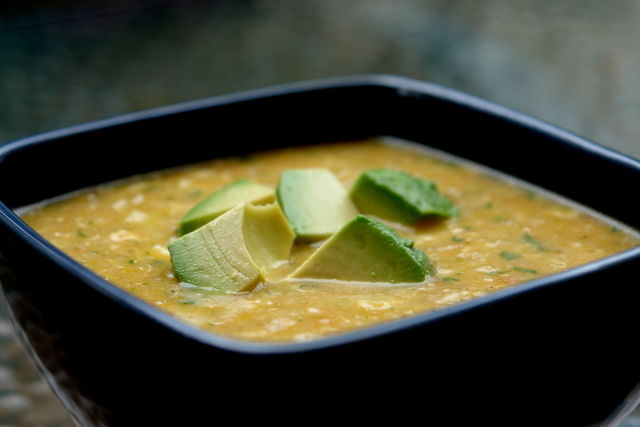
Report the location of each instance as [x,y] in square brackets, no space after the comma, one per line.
[506,233]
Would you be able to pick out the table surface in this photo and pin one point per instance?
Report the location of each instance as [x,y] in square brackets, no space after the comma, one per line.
[63,62]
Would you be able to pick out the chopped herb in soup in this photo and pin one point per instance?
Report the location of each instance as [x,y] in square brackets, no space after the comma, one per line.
[305,242]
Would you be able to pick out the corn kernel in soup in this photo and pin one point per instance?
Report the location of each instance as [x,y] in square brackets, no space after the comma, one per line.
[505,234]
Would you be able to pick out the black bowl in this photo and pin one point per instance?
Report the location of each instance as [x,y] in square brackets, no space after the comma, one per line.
[550,350]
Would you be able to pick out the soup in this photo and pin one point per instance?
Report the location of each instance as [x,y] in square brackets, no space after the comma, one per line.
[506,233]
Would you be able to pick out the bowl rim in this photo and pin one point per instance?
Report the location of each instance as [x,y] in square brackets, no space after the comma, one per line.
[404,87]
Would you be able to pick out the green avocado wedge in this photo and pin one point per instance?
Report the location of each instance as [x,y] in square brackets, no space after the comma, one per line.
[220,201]
[233,252]
[315,202]
[365,250]
[267,234]
[398,196]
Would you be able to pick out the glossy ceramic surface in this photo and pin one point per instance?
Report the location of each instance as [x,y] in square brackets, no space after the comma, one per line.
[548,348]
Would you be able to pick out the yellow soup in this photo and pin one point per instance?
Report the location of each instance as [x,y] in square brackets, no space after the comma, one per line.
[505,234]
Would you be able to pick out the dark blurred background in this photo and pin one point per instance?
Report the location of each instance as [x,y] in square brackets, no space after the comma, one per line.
[574,63]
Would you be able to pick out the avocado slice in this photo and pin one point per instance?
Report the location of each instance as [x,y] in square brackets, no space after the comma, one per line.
[398,196]
[267,234]
[222,200]
[233,252]
[365,250]
[315,202]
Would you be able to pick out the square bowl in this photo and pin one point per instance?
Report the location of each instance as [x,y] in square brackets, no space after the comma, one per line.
[549,349]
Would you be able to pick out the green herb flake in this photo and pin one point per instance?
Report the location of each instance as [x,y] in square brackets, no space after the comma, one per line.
[457,239]
[187,301]
[525,270]
[195,193]
[614,229]
[509,255]
[450,279]
[530,195]
[80,233]
[528,238]
[132,261]
[520,269]
[497,272]
[488,205]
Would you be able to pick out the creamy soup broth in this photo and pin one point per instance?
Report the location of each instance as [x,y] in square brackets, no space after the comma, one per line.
[506,233]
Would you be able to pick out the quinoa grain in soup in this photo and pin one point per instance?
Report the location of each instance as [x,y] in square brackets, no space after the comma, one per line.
[489,234]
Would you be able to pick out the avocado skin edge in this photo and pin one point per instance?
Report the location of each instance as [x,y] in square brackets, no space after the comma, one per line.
[365,250]
[398,196]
